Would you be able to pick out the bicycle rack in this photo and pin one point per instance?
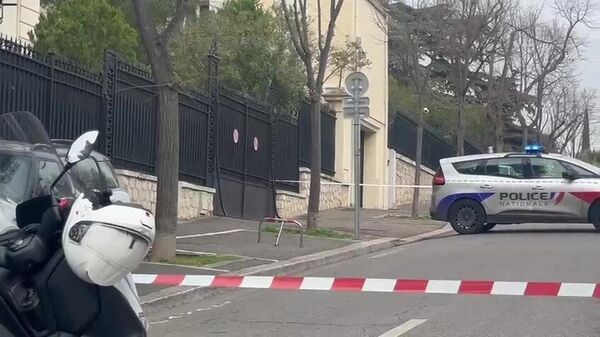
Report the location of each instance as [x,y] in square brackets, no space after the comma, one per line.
[281,222]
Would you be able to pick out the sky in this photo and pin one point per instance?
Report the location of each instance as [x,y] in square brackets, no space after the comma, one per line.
[589,67]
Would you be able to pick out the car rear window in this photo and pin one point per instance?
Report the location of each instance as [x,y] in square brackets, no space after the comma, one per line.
[467,167]
[505,167]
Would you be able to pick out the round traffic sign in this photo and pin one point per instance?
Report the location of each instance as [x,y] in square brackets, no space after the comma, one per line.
[359,79]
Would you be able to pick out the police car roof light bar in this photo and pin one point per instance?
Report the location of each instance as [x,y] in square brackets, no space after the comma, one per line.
[534,149]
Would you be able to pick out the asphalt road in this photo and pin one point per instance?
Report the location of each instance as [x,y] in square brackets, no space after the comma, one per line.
[561,253]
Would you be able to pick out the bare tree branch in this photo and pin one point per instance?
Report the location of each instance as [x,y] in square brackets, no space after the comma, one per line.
[319,27]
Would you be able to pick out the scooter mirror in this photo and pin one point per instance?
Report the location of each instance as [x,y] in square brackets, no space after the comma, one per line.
[82,147]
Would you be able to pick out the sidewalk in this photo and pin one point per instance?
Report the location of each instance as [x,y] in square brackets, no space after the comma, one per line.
[375,223]
[237,239]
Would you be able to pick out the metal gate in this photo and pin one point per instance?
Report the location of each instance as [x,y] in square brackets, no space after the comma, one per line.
[244,156]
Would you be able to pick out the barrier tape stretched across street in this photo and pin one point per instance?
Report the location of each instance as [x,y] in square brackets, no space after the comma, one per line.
[413,286]
[352,184]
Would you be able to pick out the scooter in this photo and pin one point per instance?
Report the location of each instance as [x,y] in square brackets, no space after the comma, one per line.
[40,293]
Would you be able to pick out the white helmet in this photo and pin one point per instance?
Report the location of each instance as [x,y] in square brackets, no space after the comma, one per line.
[102,246]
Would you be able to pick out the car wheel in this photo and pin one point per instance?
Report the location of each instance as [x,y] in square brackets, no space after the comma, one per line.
[487,227]
[467,217]
[595,215]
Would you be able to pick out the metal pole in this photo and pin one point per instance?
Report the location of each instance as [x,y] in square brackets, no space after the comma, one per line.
[356,125]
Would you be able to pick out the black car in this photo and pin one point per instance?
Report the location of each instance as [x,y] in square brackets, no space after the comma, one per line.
[27,171]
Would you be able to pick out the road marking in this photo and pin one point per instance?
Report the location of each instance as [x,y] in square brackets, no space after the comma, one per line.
[215,233]
[245,257]
[189,313]
[404,328]
[188,266]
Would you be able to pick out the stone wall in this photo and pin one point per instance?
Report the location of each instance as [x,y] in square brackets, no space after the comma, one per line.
[291,204]
[194,200]
[402,172]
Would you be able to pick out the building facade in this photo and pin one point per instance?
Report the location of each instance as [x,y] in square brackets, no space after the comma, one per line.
[18,18]
[364,21]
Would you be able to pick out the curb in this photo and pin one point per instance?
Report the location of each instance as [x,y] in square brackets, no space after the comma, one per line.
[179,295]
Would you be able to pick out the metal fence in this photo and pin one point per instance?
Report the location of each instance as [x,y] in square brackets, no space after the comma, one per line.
[328,120]
[403,139]
[221,131]
[66,98]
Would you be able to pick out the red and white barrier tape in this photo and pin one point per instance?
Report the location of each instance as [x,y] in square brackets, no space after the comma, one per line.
[415,286]
[352,184]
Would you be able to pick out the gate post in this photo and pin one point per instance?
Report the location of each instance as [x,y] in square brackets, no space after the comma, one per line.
[213,108]
[109,88]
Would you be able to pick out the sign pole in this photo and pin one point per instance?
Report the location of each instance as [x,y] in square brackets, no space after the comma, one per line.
[357,107]
[356,125]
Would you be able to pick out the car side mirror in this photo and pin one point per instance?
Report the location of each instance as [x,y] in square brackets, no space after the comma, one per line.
[569,175]
[82,147]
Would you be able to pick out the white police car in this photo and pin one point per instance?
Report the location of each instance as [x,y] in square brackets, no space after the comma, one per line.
[474,193]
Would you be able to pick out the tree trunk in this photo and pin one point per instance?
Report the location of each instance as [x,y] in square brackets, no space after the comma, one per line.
[315,162]
[167,171]
[499,132]
[539,111]
[460,132]
[460,94]
[585,140]
[418,159]
[525,136]
[166,126]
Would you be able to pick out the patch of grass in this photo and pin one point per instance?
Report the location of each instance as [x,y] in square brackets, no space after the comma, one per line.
[198,260]
[319,232]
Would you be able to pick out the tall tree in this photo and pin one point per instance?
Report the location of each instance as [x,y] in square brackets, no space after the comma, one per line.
[498,87]
[408,34]
[464,33]
[314,53]
[82,30]
[167,122]
[255,54]
[543,49]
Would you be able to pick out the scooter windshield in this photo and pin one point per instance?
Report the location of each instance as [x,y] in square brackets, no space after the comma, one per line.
[23,128]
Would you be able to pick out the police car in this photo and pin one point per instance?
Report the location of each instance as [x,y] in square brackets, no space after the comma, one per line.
[474,193]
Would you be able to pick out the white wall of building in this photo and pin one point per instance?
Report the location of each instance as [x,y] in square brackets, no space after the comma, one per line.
[19,20]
